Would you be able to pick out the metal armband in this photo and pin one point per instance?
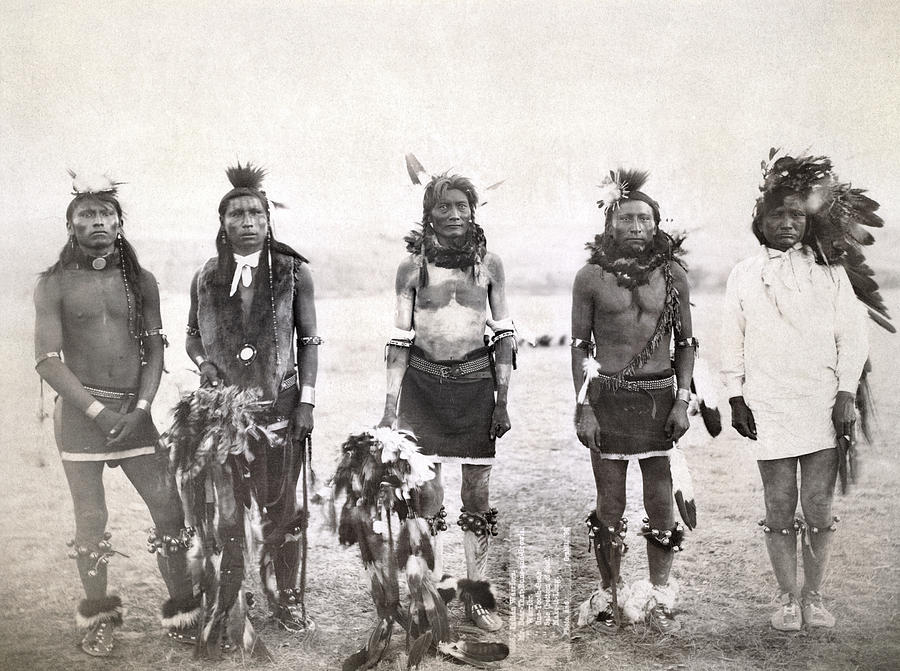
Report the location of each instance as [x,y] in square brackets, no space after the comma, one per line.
[586,345]
[400,338]
[309,340]
[157,332]
[43,357]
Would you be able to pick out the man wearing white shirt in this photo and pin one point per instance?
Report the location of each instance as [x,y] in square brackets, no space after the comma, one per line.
[247,304]
[794,343]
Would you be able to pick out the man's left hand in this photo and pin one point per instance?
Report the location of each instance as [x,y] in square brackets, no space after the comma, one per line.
[677,422]
[499,422]
[843,415]
[303,422]
[125,427]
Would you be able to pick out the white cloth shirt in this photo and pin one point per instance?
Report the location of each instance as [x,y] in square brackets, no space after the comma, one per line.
[793,335]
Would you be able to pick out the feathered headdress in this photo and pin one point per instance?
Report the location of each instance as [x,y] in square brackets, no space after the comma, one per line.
[836,215]
[93,183]
[621,185]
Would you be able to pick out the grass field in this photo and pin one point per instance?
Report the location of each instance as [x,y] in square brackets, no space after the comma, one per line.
[543,487]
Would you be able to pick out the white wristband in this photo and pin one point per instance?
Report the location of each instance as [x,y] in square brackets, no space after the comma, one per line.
[308,395]
[199,360]
[143,404]
[94,409]
[683,395]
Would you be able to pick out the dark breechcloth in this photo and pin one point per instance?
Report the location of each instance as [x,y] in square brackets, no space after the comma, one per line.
[79,438]
[632,420]
[449,416]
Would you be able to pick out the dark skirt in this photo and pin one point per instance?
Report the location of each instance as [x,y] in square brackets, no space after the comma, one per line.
[450,418]
[79,438]
[632,422]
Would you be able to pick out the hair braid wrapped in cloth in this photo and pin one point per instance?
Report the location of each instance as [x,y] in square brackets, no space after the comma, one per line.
[214,436]
[380,473]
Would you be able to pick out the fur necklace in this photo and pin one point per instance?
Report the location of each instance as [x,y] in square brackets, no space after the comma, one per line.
[634,271]
[425,243]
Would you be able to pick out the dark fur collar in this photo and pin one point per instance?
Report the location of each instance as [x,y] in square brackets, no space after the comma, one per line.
[634,271]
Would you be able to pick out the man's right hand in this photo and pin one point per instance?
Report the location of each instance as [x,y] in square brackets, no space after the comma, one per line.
[107,420]
[586,427]
[742,418]
[209,374]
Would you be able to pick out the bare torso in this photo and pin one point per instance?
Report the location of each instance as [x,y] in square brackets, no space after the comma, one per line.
[449,314]
[96,342]
[624,319]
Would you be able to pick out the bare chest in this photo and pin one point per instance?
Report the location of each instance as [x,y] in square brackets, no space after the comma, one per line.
[91,297]
[611,300]
[451,289]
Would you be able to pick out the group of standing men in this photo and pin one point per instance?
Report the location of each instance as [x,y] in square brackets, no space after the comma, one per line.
[252,323]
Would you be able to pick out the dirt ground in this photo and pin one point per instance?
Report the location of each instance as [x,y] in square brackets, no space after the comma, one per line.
[543,488]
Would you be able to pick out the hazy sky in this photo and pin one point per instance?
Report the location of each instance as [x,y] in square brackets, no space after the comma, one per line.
[330,96]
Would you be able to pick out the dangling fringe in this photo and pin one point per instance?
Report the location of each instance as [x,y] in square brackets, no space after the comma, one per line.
[669,322]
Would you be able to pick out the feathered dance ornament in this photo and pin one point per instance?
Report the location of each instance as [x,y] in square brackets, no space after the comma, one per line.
[837,214]
[209,425]
[617,185]
[249,177]
[683,487]
[93,183]
[381,472]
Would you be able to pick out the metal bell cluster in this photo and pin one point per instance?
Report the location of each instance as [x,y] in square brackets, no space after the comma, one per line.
[480,524]
[438,522]
[667,538]
[98,553]
[170,544]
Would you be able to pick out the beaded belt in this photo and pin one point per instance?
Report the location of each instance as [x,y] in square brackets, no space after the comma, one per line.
[636,385]
[450,372]
[110,395]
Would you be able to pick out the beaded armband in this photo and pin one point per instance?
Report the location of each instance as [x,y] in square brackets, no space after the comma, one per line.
[586,345]
[309,340]
[684,343]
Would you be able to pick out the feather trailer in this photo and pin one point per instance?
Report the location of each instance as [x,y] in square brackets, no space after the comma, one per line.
[703,389]
[683,486]
[416,172]
[591,368]
[418,649]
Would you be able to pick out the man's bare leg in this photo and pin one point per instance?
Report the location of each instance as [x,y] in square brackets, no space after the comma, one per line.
[475,496]
[779,478]
[658,504]
[431,501]
[98,613]
[817,476]
[85,480]
[477,531]
[181,612]
[609,478]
